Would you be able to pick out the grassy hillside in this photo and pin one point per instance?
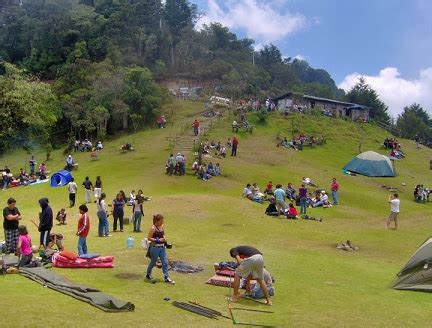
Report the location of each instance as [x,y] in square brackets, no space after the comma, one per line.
[316,284]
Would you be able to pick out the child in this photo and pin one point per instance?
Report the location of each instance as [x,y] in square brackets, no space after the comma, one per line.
[132,197]
[61,216]
[292,212]
[83,230]
[24,246]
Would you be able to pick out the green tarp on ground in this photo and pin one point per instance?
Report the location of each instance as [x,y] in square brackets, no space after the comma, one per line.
[90,295]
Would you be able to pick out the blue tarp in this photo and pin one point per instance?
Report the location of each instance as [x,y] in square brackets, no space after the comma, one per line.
[371,164]
[60,178]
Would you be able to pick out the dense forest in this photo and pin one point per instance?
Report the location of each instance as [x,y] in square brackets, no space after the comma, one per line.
[81,68]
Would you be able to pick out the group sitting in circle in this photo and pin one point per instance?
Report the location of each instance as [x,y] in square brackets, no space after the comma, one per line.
[217,148]
[421,194]
[206,172]
[297,142]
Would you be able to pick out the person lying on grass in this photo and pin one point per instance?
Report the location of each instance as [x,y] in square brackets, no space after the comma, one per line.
[251,266]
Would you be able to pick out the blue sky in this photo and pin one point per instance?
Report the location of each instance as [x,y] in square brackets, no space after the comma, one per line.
[387,41]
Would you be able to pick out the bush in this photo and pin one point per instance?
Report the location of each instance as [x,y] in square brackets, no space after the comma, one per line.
[262,115]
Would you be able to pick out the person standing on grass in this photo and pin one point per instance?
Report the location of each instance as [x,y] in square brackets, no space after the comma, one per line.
[417,140]
[97,188]
[234,146]
[102,214]
[394,210]
[279,195]
[171,163]
[334,189]
[138,211]
[32,163]
[303,194]
[72,189]
[11,217]
[88,186]
[118,211]
[45,222]
[251,266]
[157,239]
[83,230]
[195,126]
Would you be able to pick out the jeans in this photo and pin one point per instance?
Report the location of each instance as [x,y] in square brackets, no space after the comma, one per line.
[318,204]
[103,228]
[118,215]
[257,292]
[137,221]
[155,253]
[82,245]
[303,205]
[335,197]
[234,151]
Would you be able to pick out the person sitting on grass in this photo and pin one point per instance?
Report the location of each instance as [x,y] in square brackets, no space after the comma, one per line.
[24,247]
[255,291]
[61,217]
[308,181]
[290,191]
[222,152]
[210,169]
[217,169]
[292,212]
[195,166]
[269,188]
[229,143]
[247,192]
[271,209]
[251,266]
[202,173]
[292,144]
[323,200]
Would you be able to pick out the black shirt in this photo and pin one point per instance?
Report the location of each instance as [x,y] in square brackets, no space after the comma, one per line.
[244,251]
[98,184]
[87,184]
[10,224]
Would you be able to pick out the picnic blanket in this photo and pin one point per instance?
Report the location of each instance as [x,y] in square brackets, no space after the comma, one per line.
[60,261]
[90,295]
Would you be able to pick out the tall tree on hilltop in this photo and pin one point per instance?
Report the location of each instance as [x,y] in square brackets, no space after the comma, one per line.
[363,94]
[178,14]
[269,56]
[414,120]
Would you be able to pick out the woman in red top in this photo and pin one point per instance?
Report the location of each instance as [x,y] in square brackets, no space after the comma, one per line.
[292,212]
[83,230]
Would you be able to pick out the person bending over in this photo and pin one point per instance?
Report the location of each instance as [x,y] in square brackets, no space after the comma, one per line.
[251,266]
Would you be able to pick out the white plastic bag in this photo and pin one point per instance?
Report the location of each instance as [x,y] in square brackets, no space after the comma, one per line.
[145,243]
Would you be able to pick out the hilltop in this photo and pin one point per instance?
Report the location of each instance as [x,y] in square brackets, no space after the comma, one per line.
[316,284]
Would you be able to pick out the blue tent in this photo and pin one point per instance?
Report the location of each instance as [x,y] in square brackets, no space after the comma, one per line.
[371,164]
[61,178]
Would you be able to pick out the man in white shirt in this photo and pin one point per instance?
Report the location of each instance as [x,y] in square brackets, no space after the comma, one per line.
[72,189]
[394,210]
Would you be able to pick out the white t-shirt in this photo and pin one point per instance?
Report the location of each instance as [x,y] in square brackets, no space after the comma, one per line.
[395,205]
[101,207]
[72,187]
[246,191]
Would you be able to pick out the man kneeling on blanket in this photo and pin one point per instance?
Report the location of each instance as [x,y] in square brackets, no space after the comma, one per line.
[251,266]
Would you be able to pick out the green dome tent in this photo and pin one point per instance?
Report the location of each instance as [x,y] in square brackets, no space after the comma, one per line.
[371,164]
[417,272]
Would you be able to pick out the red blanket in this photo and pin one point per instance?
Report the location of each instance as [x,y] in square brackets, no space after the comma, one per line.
[98,262]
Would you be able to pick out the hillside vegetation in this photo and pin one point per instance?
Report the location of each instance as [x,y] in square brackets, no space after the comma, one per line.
[316,284]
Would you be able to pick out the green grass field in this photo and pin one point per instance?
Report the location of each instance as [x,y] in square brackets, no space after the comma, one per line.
[316,284]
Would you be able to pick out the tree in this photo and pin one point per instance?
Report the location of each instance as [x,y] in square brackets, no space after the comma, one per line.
[28,109]
[414,120]
[364,95]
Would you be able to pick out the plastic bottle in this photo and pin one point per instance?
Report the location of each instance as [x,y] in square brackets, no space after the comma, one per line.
[130,242]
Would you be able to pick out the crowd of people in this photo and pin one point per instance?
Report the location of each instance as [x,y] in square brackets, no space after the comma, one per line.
[176,165]
[279,196]
[298,142]
[8,179]
[421,193]
[86,145]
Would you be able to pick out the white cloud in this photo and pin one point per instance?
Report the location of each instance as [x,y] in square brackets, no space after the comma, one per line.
[263,21]
[300,57]
[395,91]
